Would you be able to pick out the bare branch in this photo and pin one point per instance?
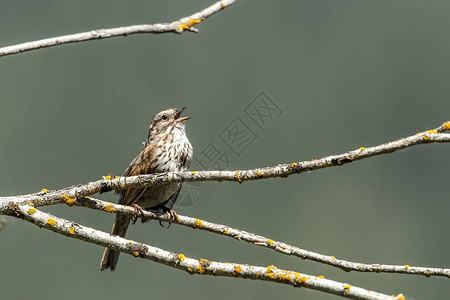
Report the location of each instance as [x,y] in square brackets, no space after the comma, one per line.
[191,265]
[262,241]
[179,26]
[283,170]
[24,207]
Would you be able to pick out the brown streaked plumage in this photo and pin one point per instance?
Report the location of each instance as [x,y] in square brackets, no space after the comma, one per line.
[167,149]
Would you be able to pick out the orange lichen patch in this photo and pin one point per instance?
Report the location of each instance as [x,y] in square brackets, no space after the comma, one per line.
[31,211]
[135,254]
[31,204]
[237,270]
[259,173]
[362,148]
[432,131]
[72,230]
[45,191]
[181,257]
[190,270]
[428,274]
[347,287]
[194,172]
[321,277]
[108,177]
[51,222]
[293,165]
[406,267]
[447,126]
[115,177]
[110,208]
[400,297]
[302,279]
[425,137]
[69,201]
[225,232]
[333,258]
[270,242]
[198,223]
[223,5]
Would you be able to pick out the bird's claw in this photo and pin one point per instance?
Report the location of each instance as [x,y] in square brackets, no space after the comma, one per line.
[138,214]
[172,216]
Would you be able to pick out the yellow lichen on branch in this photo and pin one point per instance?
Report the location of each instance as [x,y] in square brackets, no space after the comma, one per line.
[188,24]
[446,126]
[68,200]
[110,208]
[237,269]
[198,223]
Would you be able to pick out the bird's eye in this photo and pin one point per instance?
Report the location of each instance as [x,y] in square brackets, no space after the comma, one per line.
[164,117]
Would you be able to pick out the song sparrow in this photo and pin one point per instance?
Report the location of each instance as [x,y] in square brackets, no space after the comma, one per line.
[167,149]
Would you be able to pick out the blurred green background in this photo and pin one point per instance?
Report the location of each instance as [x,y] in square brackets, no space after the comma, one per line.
[345,74]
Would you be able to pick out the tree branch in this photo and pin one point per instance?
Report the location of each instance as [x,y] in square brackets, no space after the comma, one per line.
[259,240]
[191,265]
[179,26]
[108,183]
[24,207]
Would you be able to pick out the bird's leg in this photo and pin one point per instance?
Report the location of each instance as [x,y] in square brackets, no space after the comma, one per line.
[139,210]
[139,213]
[172,215]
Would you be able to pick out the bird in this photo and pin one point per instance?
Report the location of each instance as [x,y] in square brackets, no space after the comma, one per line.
[167,149]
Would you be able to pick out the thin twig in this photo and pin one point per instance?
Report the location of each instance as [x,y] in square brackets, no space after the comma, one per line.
[184,24]
[191,265]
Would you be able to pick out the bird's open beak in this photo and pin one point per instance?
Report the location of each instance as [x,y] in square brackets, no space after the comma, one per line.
[177,116]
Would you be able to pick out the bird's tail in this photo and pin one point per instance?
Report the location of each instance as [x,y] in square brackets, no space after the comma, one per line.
[110,257]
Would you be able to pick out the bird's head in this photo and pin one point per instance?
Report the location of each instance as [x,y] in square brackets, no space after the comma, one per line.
[166,120]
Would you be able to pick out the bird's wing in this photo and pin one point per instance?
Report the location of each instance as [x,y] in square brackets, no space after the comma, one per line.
[143,163]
